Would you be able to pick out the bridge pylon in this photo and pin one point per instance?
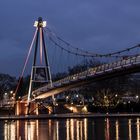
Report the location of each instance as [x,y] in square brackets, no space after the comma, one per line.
[40,72]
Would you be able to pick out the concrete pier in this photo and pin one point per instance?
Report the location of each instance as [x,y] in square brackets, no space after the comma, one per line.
[21,108]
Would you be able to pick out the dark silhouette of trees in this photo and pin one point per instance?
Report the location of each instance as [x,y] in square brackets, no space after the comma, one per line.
[7,83]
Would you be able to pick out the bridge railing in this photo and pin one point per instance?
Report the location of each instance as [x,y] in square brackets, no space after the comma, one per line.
[91,72]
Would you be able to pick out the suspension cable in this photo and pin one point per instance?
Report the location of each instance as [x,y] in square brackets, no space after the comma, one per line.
[87,53]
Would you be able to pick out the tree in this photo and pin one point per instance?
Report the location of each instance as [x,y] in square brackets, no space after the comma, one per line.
[106,98]
[7,83]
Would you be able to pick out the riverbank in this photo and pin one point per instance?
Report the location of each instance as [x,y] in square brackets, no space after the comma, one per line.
[66,116]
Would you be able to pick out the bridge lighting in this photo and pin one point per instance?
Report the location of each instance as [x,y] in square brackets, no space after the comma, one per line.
[105,96]
[42,24]
[73,77]
[116,95]
[137,96]
[71,108]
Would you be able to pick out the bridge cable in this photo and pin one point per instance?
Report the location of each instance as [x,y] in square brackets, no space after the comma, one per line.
[87,53]
[26,61]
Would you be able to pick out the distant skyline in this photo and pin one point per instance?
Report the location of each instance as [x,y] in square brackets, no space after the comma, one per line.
[98,26]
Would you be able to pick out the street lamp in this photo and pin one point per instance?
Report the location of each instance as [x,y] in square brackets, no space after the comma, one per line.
[137,96]
[105,96]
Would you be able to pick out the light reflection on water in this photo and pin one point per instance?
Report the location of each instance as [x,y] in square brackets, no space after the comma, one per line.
[138,129]
[130,132]
[71,129]
[117,129]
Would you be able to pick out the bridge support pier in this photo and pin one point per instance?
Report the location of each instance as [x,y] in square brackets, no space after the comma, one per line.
[21,108]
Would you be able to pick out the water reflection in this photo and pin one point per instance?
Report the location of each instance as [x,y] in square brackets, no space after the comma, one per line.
[71,129]
[130,129]
[9,131]
[138,129]
[117,129]
[76,129]
[30,130]
[107,134]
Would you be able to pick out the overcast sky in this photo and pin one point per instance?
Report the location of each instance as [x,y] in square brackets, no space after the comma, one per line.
[99,26]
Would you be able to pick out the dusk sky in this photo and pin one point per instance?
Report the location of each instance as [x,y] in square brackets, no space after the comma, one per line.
[98,26]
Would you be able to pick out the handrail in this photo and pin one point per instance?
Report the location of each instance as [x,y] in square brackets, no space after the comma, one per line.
[91,72]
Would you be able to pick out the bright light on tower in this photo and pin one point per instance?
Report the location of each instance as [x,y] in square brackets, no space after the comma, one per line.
[36,23]
[43,24]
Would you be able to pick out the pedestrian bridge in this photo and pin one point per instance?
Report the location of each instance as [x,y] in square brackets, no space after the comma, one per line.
[126,61]
[124,65]
[104,71]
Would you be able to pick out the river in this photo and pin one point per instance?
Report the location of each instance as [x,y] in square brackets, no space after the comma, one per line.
[71,129]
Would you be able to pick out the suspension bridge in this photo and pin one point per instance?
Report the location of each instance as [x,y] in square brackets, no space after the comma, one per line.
[121,62]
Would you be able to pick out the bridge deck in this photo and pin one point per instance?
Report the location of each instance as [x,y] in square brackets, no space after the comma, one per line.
[123,66]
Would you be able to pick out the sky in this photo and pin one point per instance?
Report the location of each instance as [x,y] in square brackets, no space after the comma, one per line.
[98,26]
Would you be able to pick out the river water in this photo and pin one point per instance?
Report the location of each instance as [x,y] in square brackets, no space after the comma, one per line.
[71,129]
